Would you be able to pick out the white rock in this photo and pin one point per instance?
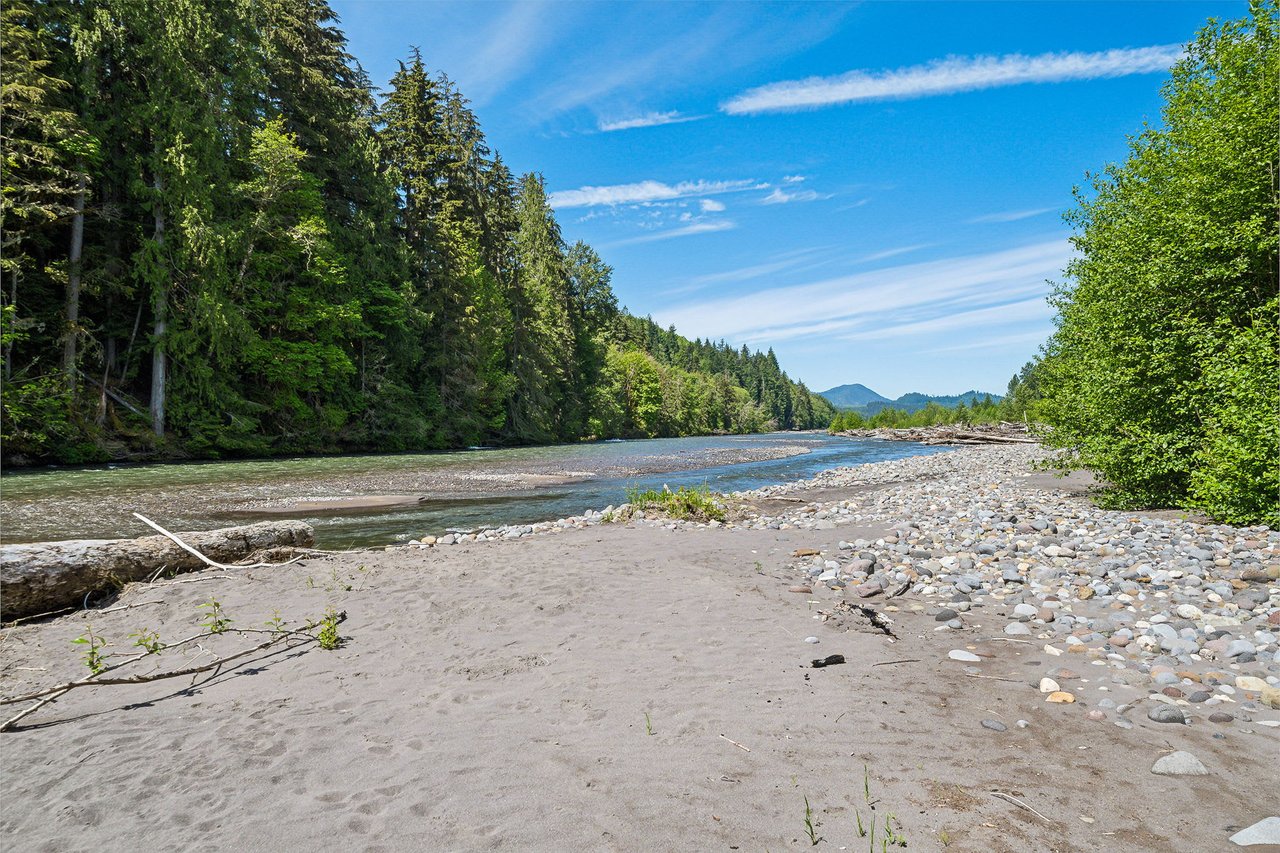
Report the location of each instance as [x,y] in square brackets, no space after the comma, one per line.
[811,639]
[1189,611]
[962,655]
[1265,831]
[1048,685]
[1179,764]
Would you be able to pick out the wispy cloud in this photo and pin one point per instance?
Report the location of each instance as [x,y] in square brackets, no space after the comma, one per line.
[947,76]
[976,320]
[646,191]
[646,120]
[781,196]
[710,205]
[1036,335]
[686,231]
[792,260]
[1010,215]
[507,50]
[889,298]
[892,253]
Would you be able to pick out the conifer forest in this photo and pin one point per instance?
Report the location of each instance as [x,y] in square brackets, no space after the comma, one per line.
[220,239]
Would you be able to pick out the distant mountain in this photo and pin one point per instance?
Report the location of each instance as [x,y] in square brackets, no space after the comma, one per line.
[853,397]
[863,399]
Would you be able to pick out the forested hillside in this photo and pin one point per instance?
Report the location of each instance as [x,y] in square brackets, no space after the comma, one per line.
[219,241]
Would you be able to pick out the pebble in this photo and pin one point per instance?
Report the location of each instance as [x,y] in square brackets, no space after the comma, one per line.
[1179,764]
[1048,685]
[1166,714]
[1061,697]
[961,655]
[1156,603]
[994,725]
[811,640]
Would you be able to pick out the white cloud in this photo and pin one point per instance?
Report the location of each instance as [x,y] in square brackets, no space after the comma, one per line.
[686,231]
[646,120]
[1010,215]
[892,253]
[976,319]
[895,297]
[1017,339]
[780,196]
[792,179]
[646,191]
[947,76]
[710,205]
[508,50]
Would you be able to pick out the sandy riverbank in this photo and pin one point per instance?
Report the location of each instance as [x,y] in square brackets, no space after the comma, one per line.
[493,695]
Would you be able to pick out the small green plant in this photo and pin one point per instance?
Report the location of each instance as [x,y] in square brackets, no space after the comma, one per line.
[327,637]
[648,724]
[148,641]
[808,824]
[862,830]
[684,503]
[891,833]
[275,624]
[607,518]
[944,837]
[866,783]
[92,657]
[759,567]
[218,621]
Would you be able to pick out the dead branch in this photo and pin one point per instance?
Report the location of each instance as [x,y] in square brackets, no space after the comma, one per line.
[127,606]
[1009,798]
[52,693]
[201,557]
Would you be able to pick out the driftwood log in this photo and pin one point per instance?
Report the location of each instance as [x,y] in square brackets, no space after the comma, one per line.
[40,577]
[1001,433]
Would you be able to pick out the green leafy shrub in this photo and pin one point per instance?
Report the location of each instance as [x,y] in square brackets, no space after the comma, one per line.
[684,503]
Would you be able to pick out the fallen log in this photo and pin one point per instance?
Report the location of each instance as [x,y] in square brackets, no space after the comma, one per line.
[43,576]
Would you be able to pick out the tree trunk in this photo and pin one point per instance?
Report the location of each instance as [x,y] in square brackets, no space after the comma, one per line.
[73,284]
[160,300]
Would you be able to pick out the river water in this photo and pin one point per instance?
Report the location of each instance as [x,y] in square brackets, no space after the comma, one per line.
[439,491]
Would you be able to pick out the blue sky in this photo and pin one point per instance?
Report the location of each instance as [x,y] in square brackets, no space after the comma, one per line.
[873,189]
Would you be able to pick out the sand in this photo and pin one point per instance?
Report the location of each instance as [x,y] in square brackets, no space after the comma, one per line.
[493,696]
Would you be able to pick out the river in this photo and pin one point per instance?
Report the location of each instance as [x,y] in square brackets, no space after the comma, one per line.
[411,495]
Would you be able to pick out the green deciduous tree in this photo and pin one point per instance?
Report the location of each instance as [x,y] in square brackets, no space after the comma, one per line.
[1161,375]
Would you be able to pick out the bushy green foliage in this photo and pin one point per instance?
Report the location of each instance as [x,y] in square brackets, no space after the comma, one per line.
[1161,375]
[699,504]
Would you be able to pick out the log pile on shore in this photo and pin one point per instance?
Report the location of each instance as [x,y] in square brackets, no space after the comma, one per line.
[1004,432]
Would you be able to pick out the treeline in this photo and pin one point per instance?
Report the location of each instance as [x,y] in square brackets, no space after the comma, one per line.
[219,241]
[984,411]
[1164,372]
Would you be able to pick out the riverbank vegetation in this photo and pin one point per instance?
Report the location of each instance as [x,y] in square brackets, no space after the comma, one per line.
[1163,375]
[219,241]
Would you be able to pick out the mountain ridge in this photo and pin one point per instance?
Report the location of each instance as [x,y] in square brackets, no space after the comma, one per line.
[859,397]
